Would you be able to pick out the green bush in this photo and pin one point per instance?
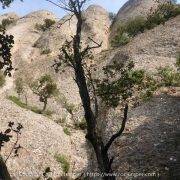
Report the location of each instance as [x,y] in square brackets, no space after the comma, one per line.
[63,161]
[66,131]
[169,77]
[135,26]
[48,23]
[121,40]
[128,30]
[2,79]
[46,51]
[5,23]
[178,61]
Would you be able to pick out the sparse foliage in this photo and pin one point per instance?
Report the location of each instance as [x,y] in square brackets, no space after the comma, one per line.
[62,159]
[169,77]
[20,88]
[45,88]
[5,23]
[74,56]
[47,25]
[6,43]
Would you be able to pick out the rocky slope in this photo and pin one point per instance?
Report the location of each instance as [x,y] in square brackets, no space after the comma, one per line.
[152,49]
[43,137]
[41,140]
[132,9]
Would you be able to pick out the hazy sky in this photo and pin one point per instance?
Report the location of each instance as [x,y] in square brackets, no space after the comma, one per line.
[22,8]
[27,6]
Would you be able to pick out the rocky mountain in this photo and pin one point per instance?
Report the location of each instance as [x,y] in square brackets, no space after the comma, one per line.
[151,138]
[96,25]
[132,9]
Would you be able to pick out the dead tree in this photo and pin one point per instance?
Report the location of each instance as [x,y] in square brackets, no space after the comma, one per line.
[74,56]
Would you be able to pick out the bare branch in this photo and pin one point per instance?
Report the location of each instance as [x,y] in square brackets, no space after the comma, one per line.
[69,19]
[88,48]
[64,6]
[113,138]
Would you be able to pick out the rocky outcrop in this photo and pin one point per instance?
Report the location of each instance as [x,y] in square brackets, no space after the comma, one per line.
[25,34]
[152,49]
[134,8]
[96,25]
[41,140]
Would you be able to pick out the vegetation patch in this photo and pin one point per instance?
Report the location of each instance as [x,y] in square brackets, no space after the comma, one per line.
[66,131]
[62,159]
[169,77]
[2,79]
[138,25]
[46,51]
[48,23]
[5,23]
[35,109]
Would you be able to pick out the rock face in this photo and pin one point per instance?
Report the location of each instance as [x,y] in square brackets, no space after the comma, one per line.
[133,8]
[25,34]
[96,26]
[41,140]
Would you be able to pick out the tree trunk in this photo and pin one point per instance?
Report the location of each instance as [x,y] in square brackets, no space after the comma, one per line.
[25,99]
[4,174]
[96,141]
[45,105]
[104,164]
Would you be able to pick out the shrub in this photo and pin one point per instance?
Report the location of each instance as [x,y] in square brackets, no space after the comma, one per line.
[63,161]
[47,25]
[135,26]
[81,124]
[178,62]
[66,131]
[46,51]
[6,22]
[2,79]
[69,107]
[169,77]
[121,40]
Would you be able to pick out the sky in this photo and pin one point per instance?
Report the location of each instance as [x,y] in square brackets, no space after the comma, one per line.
[23,8]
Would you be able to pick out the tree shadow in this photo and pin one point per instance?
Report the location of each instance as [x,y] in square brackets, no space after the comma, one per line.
[151,142]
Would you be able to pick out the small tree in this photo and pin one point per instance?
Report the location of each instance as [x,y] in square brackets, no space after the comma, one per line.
[45,88]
